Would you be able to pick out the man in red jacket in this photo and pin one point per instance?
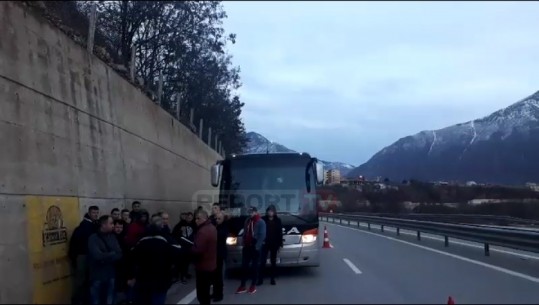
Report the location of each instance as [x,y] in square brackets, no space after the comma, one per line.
[137,229]
[205,255]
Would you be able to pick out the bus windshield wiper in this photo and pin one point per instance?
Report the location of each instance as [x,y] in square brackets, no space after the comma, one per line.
[293,215]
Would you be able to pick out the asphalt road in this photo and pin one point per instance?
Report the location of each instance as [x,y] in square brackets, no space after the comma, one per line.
[373,267]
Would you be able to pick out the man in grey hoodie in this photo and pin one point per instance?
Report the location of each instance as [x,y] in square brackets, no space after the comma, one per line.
[254,234]
[103,253]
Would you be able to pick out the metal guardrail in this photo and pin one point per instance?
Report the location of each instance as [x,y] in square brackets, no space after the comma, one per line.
[458,218]
[509,238]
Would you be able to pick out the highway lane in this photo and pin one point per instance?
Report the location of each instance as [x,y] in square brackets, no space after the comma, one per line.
[417,274]
[393,271]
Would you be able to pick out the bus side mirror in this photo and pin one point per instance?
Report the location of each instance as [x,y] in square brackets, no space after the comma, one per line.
[319,173]
[215,174]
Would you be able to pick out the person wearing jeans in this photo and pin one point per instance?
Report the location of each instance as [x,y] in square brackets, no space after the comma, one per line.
[204,253]
[103,254]
[103,290]
[253,239]
[222,234]
[272,244]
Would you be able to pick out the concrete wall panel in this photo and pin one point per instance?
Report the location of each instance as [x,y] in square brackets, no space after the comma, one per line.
[73,133]
[15,266]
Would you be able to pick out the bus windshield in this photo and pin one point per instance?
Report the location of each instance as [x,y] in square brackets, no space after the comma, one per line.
[288,185]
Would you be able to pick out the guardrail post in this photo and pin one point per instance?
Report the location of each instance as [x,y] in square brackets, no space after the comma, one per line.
[382,228]
[398,231]
[446,241]
[418,235]
[369,226]
[487,249]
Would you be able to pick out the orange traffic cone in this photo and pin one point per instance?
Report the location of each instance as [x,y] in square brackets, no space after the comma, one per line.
[450,301]
[326,239]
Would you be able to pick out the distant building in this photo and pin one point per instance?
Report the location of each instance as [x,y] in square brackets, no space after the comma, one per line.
[384,186]
[471,183]
[410,205]
[483,201]
[451,204]
[533,186]
[353,182]
[332,176]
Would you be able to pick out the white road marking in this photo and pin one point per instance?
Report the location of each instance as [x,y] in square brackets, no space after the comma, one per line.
[188,298]
[500,269]
[452,241]
[352,266]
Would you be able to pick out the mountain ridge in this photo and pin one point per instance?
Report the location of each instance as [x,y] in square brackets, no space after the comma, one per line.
[257,143]
[497,148]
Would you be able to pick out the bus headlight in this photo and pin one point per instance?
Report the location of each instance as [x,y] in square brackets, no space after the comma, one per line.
[231,241]
[309,236]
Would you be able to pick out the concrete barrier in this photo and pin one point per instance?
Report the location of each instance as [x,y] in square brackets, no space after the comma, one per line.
[73,133]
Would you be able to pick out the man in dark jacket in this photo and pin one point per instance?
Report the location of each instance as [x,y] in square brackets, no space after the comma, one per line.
[121,265]
[78,250]
[222,234]
[125,217]
[136,207]
[183,233]
[254,233]
[215,209]
[103,254]
[204,252]
[152,259]
[115,214]
[272,244]
[167,233]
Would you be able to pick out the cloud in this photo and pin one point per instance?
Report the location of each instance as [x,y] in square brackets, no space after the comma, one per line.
[342,80]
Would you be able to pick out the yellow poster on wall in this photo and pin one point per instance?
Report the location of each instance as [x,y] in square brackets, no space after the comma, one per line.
[51,221]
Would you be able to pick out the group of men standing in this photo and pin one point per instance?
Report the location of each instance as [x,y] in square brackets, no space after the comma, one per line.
[262,236]
[128,256]
[131,257]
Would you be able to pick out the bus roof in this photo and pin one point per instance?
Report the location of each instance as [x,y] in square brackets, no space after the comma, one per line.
[282,156]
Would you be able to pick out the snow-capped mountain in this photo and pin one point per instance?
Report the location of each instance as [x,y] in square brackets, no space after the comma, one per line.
[500,148]
[259,144]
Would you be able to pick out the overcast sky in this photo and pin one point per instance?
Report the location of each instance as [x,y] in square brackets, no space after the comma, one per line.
[342,80]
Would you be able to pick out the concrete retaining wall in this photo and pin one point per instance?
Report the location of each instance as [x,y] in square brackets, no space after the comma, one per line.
[73,133]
